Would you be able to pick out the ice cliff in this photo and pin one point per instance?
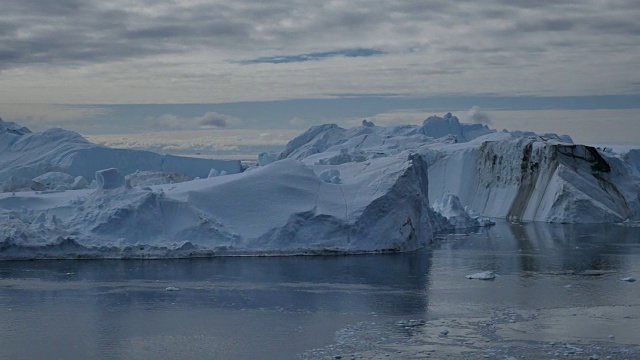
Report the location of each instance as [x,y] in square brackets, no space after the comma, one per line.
[534,178]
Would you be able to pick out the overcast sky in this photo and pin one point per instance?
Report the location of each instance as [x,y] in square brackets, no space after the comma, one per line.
[214,52]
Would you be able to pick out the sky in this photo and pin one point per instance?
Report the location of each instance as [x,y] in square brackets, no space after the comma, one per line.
[128,67]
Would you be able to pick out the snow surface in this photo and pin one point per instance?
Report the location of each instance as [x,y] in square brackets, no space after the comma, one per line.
[25,155]
[277,209]
[331,190]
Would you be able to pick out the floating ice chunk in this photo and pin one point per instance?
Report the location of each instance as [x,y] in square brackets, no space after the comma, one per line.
[485,275]
[484,222]
[628,279]
[109,179]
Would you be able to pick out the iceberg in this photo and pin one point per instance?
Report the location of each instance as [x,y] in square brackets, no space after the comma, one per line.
[282,208]
[485,275]
[520,176]
[330,191]
[25,155]
[535,179]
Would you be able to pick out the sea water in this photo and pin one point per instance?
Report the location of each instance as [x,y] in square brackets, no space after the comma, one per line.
[558,288]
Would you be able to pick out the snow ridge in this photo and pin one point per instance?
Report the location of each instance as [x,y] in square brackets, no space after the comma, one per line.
[25,155]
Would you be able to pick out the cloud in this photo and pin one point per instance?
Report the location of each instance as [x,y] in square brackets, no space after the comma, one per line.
[90,51]
[478,116]
[92,31]
[167,122]
[204,141]
[299,123]
[207,121]
[357,52]
[216,120]
[39,117]
[553,25]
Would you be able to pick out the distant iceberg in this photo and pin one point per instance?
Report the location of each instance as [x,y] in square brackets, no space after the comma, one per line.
[27,155]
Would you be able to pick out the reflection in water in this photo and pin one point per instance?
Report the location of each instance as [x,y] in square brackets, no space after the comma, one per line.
[120,309]
[301,283]
[540,247]
[225,308]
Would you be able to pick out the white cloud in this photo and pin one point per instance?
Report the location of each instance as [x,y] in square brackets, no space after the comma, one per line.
[299,122]
[476,115]
[207,141]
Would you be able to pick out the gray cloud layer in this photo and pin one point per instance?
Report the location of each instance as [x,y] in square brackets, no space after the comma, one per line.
[173,122]
[61,31]
[414,42]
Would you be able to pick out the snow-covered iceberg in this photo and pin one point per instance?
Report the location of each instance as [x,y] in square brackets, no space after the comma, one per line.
[283,208]
[513,175]
[25,155]
[331,190]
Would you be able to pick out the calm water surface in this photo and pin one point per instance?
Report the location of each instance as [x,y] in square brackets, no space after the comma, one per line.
[285,307]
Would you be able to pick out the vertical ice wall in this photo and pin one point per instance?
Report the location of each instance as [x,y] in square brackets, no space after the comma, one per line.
[532,179]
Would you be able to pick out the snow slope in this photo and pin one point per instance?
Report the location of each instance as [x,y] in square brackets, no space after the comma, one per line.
[26,155]
[283,208]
